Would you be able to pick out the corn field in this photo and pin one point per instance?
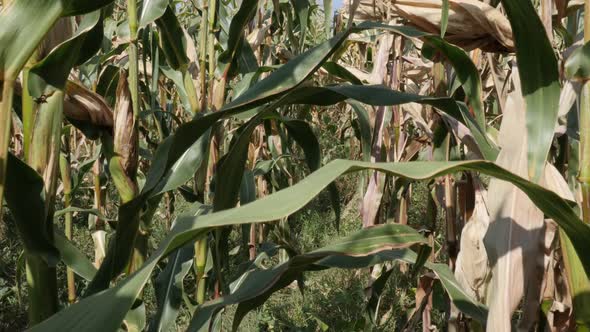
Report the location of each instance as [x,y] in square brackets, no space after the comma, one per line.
[114,113]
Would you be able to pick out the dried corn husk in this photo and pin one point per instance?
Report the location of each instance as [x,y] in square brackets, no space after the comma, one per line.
[82,104]
[99,239]
[125,138]
[472,270]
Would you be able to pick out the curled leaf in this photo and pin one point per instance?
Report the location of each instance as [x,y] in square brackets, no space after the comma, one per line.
[470,24]
[86,108]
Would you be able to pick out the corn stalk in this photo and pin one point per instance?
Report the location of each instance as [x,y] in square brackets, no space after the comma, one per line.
[66,178]
[584,172]
[126,135]
[44,158]
[578,278]
[5,120]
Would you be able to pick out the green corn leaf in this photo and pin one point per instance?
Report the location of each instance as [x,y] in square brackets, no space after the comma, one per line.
[105,311]
[364,128]
[172,40]
[578,281]
[169,283]
[337,70]
[444,18]
[467,75]
[93,37]
[120,248]
[175,146]
[151,11]
[377,288]
[25,197]
[79,174]
[231,168]
[184,168]
[364,134]
[539,74]
[177,77]
[73,257]
[248,188]
[294,72]
[302,133]
[286,77]
[247,62]
[71,209]
[107,84]
[458,296]
[169,288]
[52,72]
[19,38]
[235,41]
[302,10]
[378,95]
[77,7]
[256,286]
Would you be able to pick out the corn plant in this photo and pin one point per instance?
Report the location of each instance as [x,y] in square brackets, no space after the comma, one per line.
[117,110]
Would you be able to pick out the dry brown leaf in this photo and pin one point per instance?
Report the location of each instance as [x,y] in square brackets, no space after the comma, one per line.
[352,7]
[374,193]
[567,99]
[367,10]
[560,8]
[554,282]
[463,134]
[193,65]
[416,69]
[555,182]
[372,198]
[471,24]
[498,76]
[385,43]
[257,36]
[414,111]
[515,237]
[99,239]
